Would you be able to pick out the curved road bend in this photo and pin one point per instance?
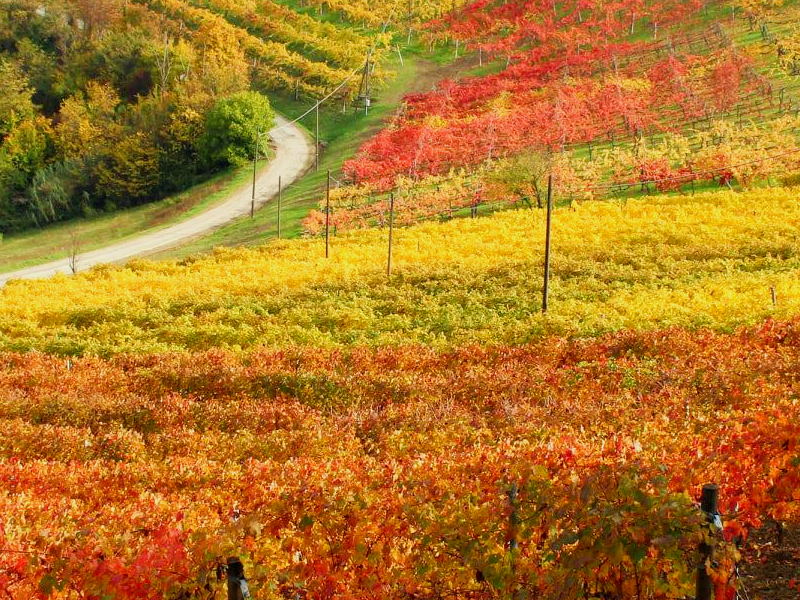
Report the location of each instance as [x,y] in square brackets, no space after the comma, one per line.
[293,156]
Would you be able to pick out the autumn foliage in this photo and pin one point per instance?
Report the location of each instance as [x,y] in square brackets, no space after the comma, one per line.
[360,472]
[576,81]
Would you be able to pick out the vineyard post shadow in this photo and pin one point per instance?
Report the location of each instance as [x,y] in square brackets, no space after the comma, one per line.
[547,243]
[708,504]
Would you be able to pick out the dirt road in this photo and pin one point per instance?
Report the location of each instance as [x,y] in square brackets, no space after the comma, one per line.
[294,153]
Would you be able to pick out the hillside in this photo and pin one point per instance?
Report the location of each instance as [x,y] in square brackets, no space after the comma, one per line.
[383,406]
[708,259]
[110,104]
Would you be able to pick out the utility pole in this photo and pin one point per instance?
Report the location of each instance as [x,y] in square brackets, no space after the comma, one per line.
[327,214]
[367,73]
[363,88]
[547,243]
[391,232]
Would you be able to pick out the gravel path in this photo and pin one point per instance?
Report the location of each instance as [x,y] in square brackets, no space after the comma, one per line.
[294,153]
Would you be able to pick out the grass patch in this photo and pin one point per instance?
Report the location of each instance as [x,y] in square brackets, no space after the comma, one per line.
[36,246]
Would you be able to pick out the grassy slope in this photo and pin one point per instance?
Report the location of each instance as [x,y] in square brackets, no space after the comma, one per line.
[53,242]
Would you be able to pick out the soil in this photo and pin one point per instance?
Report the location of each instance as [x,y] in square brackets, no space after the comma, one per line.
[770,560]
[432,73]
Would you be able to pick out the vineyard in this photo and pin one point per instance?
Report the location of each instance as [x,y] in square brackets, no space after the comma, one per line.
[663,96]
[386,473]
[432,434]
[390,405]
[708,259]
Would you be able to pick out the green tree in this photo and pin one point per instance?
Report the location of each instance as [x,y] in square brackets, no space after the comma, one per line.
[52,192]
[16,104]
[232,125]
[24,151]
[128,174]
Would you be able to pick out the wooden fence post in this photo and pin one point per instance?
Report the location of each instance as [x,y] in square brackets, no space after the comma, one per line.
[255,161]
[237,584]
[316,141]
[327,213]
[547,243]
[708,504]
[391,232]
[513,519]
[280,198]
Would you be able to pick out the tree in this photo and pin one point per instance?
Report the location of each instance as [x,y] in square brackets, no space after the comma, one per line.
[51,192]
[16,102]
[128,173]
[525,175]
[87,123]
[25,150]
[232,125]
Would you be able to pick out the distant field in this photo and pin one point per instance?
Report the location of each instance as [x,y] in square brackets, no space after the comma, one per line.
[703,260]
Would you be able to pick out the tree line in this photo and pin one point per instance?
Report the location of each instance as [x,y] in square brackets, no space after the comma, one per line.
[105,105]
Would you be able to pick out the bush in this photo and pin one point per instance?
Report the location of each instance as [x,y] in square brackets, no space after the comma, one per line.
[791,179]
[232,125]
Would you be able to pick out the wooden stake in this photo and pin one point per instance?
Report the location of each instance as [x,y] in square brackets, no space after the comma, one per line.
[255,160]
[327,214]
[708,504]
[280,197]
[237,584]
[547,243]
[774,296]
[391,232]
[316,141]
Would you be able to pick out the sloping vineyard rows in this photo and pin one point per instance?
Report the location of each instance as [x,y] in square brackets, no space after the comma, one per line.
[332,45]
[468,123]
[279,67]
[708,259]
[355,473]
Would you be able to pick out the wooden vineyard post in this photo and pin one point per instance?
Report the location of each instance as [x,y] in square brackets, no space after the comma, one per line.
[513,519]
[327,213]
[316,140]
[547,243]
[708,504]
[774,296]
[255,160]
[237,584]
[280,198]
[391,234]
